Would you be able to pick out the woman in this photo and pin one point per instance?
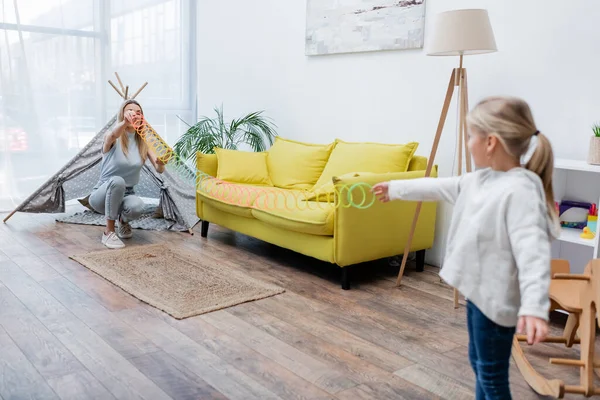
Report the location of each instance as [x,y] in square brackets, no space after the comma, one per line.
[124,152]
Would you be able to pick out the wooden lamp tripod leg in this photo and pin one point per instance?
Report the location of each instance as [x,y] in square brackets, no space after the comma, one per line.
[464,109]
[430,161]
[458,78]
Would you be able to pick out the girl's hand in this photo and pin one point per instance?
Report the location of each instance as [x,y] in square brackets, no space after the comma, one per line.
[536,329]
[381,190]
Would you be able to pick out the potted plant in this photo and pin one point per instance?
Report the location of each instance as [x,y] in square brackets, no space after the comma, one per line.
[594,152]
[254,130]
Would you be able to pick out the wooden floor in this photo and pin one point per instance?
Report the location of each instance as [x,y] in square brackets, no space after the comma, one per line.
[67,333]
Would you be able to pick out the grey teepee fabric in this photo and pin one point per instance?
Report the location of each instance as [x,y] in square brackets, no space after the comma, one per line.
[177,202]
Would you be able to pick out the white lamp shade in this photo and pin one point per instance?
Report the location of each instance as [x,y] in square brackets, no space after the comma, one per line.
[462,32]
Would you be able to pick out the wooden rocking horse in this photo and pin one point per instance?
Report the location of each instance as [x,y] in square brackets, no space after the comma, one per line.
[579,295]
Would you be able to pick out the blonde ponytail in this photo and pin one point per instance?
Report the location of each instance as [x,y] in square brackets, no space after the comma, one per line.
[542,163]
[511,121]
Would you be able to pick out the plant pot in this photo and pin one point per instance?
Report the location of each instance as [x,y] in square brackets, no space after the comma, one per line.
[594,152]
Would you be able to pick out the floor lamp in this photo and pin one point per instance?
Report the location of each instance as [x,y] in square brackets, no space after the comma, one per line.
[456,33]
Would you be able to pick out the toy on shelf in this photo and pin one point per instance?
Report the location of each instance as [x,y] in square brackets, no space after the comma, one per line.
[592,220]
[587,233]
[574,214]
[579,295]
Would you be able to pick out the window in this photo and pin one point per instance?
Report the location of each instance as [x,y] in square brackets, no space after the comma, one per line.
[149,43]
[56,57]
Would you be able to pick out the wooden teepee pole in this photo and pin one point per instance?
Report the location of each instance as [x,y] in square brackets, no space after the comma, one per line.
[139,90]
[117,90]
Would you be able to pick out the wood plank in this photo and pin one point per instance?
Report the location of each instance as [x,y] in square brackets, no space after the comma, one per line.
[395,389]
[438,384]
[250,314]
[303,365]
[108,295]
[35,267]
[20,379]
[300,304]
[354,368]
[122,379]
[118,334]
[42,349]
[34,244]
[404,325]
[39,302]
[411,350]
[79,385]
[11,247]
[268,373]
[176,380]
[222,376]
[370,352]
[61,263]
[263,370]
[423,318]
[356,393]
[350,365]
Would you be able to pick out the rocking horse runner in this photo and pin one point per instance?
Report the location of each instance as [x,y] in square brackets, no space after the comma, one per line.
[579,295]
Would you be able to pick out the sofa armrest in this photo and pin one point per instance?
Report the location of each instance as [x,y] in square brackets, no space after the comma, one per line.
[380,230]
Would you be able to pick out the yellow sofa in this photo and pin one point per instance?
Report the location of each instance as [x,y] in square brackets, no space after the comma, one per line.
[295,195]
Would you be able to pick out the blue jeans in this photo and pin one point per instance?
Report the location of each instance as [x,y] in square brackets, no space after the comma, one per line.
[489,353]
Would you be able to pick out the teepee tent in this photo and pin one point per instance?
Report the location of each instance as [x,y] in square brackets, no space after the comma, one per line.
[176,209]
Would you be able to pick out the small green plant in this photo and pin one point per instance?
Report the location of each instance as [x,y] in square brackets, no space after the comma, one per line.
[596,130]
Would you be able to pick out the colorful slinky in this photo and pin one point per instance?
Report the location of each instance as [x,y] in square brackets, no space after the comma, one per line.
[357,195]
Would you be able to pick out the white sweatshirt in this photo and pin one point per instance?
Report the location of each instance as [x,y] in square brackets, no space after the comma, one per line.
[498,252]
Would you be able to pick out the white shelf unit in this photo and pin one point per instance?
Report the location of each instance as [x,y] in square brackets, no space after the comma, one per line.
[579,181]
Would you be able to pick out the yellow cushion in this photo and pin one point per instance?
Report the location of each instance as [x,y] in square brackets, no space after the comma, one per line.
[296,165]
[207,163]
[288,209]
[418,163]
[243,167]
[380,158]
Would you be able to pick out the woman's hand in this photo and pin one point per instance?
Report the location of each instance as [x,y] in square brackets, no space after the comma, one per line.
[133,119]
[129,117]
[381,190]
[536,329]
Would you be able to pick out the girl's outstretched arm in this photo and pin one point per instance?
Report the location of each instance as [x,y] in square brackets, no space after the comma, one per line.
[426,189]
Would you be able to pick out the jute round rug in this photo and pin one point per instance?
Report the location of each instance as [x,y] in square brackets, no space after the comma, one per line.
[175,279]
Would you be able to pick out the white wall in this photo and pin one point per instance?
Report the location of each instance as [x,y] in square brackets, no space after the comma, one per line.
[251,57]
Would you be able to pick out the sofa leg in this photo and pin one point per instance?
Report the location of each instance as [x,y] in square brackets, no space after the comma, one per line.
[346,278]
[204,229]
[420,260]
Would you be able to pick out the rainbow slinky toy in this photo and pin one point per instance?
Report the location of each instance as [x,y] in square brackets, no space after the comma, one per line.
[357,195]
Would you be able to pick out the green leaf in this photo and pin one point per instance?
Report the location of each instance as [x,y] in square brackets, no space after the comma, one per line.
[253,129]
